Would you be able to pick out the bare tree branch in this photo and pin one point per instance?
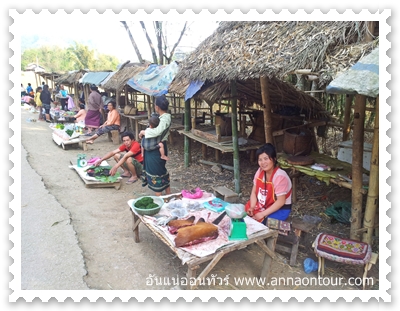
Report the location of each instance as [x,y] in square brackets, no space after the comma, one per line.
[139,56]
[153,52]
[176,44]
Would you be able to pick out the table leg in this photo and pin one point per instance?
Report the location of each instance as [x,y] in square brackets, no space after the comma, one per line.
[271,242]
[135,226]
[191,275]
[137,130]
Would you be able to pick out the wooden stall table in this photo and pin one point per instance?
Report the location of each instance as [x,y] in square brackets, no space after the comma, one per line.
[134,122]
[265,238]
[176,125]
[337,175]
[225,146]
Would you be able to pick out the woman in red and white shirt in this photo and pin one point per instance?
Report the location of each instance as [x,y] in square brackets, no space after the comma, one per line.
[271,195]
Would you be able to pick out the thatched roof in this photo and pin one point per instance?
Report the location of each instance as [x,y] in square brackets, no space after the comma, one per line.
[249,92]
[70,78]
[249,50]
[121,77]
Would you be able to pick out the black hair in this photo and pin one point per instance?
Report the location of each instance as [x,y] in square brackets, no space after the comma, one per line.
[162,102]
[113,103]
[130,134]
[269,150]
[154,121]
[82,106]
[38,89]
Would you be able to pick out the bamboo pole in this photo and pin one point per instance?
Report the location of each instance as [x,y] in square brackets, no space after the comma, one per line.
[373,189]
[346,121]
[235,143]
[357,166]
[186,145]
[267,110]
[149,109]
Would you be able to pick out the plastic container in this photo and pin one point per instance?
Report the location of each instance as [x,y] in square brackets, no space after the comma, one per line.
[310,265]
[312,219]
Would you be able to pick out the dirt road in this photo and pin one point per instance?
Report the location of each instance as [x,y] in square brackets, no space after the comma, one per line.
[102,221]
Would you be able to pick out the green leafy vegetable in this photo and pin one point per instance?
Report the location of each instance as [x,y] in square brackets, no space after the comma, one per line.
[146,203]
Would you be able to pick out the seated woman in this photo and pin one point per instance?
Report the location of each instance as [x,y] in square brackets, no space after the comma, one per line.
[113,122]
[81,114]
[271,195]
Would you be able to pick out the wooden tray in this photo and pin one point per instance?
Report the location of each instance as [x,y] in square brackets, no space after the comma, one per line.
[211,135]
[94,184]
[300,160]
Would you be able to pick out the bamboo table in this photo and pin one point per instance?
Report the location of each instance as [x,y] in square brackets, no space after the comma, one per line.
[265,239]
[224,147]
[333,176]
[134,122]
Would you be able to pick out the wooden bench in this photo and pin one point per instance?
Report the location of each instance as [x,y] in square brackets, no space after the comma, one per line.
[226,194]
[290,243]
[114,137]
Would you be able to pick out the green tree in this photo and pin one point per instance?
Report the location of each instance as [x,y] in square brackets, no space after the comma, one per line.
[74,57]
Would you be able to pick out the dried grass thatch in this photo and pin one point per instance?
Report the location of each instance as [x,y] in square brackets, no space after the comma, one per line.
[70,78]
[249,50]
[118,81]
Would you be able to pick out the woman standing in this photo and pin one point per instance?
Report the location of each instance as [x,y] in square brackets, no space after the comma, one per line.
[95,105]
[46,99]
[271,195]
[156,174]
[63,95]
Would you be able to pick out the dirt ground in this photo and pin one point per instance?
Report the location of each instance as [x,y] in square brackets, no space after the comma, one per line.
[102,219]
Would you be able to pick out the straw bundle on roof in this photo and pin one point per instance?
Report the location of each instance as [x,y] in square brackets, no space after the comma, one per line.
[249,50]
[121,77]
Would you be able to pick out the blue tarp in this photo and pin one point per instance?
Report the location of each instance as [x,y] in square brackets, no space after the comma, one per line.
[362,78]
[95,77]
[155,80]
[193,88]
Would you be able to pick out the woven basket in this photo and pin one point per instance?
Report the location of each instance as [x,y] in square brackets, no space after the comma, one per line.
[297,142]
[129,110]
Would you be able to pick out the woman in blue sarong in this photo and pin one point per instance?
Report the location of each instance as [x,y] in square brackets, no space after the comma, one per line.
[155,174]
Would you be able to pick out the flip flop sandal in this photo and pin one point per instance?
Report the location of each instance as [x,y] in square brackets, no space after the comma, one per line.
[129,182]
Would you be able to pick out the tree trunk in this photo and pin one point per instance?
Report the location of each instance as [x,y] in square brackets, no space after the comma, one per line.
[158,30]
[373,189]
[153,51]
[235,142]
[357,167]
[267,110]
[139,56]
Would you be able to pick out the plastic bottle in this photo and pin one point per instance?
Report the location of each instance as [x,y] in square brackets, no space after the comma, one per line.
[310,265]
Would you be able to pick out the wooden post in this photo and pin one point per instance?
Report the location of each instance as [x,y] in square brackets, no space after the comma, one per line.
[235,142]
[243,127]
[346,121]
[357,167]
[267,110]
[149,110]
[373,189]
[187,129]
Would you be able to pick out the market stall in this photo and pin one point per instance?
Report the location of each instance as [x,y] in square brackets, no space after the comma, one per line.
[65,134]
[210,249]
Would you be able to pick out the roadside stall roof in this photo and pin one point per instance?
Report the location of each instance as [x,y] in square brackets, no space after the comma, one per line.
[95,77]
[362,78]
[155,79]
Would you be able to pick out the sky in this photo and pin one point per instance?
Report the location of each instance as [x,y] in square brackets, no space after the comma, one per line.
[110,37]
